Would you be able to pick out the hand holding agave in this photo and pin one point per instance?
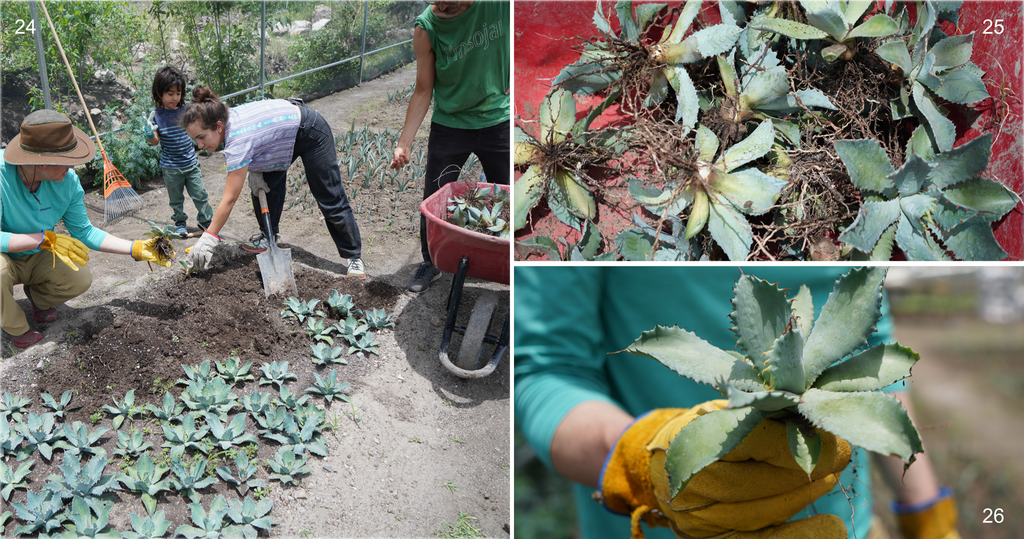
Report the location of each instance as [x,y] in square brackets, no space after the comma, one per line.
[791,370]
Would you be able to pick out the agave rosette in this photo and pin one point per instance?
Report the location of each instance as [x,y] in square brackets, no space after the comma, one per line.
[792,369]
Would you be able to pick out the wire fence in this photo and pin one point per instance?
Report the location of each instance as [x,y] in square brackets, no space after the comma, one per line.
[243,50]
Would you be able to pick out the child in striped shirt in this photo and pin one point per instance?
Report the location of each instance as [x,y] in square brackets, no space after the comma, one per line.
[177,155]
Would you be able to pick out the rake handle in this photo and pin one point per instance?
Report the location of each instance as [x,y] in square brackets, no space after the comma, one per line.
[85,108]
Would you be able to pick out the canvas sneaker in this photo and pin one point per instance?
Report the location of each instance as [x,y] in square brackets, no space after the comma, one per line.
[355,268]
[425,274]
[259,243]
[179,229]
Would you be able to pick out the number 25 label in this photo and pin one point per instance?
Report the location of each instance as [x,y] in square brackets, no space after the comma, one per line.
[993,27]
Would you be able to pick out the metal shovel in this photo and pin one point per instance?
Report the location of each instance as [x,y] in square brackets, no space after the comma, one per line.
[275,264]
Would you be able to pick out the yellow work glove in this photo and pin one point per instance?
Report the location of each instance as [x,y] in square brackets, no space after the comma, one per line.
[747,494]
[935,519]
[68,249]
[143,250]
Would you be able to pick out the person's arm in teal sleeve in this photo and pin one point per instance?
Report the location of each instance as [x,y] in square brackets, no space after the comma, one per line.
[77,220]
[559,354]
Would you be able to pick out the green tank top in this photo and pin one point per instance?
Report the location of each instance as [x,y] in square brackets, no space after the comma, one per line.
[473,65]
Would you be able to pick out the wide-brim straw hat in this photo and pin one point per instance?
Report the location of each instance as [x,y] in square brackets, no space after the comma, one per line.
[48,138]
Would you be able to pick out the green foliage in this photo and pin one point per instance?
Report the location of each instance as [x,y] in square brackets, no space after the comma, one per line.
[480,210]
[378,319]
[86,481]
[206,524]
[219,36]
[14,406]
[341,304]
[38,432]
[351,329]
[184,436]
[201,373]
[930,199]
[234,371]
[168,410]
[256,403]
[43,510]
[249,515]
[329,388]
[10,439]
[364,343]
[300,439]
[11,478]
[84,524]
[190,479]
[319,331]
[276,372]
[78,440]
[294,308]
[131,444]
[152,527]
[58,407]
[123,410]
[288,400]
[214,396]
[791,369]
[287,465]
[148,479]
[834,21]
[324,354]
[246,472]
[126,145]
[231,435]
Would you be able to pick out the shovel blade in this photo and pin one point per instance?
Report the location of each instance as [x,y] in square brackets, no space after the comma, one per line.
[276,268]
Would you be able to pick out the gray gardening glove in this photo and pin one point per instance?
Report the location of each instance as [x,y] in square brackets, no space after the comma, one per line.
[201,253]
[256,183]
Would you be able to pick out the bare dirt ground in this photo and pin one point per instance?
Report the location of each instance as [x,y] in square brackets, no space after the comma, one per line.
[417,448]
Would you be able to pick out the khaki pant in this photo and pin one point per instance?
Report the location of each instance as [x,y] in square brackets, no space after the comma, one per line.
[51,285]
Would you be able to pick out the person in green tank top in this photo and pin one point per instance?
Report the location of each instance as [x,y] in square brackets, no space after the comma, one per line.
[463,66]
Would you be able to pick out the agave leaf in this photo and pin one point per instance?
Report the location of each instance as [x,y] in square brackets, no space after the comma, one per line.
[698,213]
[630,30]
[942,127]
[523,147]
[687,105]
[766,401]
[602,23]
[872,420]
[830,21]
[867,163]
[574,194]
[850,314]
[806,448]
[729,78]
[750,190]
[529,189]
[760,315]
[764,87]
[585,76]
[920,144]
[974,240]
[883,249]
[989,197]
[961,163]
[715,40]
[917,244]
[784,368]
[557,116]
[705,440]
[645,12]
[685,353]
[911,177]
[960,86]
[790,28]
[683,22]
[855,10]
[729,228]
[895,52]
[872,220]
[953,51]
[754,146]
[878,26]
[870,370]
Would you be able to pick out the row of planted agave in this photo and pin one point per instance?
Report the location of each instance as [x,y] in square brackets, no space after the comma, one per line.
[935,203]
[197,430]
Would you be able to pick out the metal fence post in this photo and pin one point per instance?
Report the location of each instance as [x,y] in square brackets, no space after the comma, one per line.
[44,81]
[362,54]
[263,46]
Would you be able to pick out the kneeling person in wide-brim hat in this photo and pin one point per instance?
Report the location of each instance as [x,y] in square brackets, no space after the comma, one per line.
[39,188]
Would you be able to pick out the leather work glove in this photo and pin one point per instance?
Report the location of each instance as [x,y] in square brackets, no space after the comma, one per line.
[934,519]
[202,252]
[68,249]
[145,251]
[748,494]
[149,126]
[256,183]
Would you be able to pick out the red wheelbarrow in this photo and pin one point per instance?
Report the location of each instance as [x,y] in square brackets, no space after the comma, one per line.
[467,253]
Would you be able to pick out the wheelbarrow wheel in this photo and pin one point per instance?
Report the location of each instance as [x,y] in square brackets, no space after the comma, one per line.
[476,330]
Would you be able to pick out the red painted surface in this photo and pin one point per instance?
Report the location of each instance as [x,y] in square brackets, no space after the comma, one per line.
[447,243]
[544,33]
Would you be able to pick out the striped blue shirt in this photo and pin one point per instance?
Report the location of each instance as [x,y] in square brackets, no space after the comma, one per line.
[176,150]
[261,135]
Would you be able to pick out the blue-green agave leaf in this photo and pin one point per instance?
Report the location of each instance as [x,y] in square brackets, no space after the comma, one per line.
[870,370]
[645,12]
[872,220]
[942,128]
[803,309]
[707,144]
[916,243]
[754,146]
[855,10]
[705,440]
[961,163]
[847,318]
[764,87]
[911,177]
[805,448]
[921,144]
[877,26]
[573,193]
[750,190]
[789,28]
[716,39]
[974,241]
[953,51]
[529,189]
[784,368]
[584,76]
[760,315]
[766,401]
[872,420]
[685,353]
[988,197]
[687,106]
[557,116]
[867,163]
[960,86]
[729,228]
[829,20]
[895,52]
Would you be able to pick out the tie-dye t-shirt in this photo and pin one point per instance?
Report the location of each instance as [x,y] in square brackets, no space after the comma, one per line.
[261,135]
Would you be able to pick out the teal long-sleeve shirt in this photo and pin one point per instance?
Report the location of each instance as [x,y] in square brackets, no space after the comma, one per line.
[22,213]
[568,320]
